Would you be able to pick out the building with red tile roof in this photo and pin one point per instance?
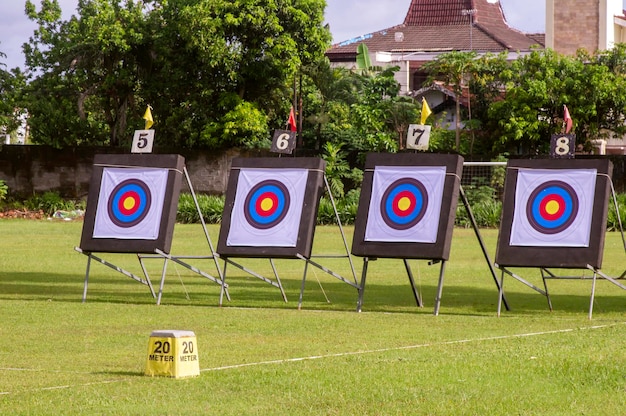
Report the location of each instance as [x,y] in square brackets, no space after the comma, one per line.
[432,27]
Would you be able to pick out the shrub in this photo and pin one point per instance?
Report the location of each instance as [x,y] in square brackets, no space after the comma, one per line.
[50,202]
[211,206]
[4,190]
[612,223]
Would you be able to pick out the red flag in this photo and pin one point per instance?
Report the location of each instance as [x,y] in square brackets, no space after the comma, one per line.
[567,119]
[292,121]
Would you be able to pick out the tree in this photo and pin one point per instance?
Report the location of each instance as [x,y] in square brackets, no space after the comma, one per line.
[91,65]
[452,69]
[214,71]
[540,84]
[11,84]
[211,56]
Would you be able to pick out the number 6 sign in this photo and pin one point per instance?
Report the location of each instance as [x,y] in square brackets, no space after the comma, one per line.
[284,141]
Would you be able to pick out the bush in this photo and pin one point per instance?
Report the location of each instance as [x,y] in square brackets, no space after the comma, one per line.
[612,223]
[4,190]
[484,205]
[211,206]
[50,202]
[346,209]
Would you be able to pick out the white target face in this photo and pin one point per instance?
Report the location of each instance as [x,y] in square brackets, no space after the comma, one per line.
[553,208]
[267,208]
[405,205]
[130,203]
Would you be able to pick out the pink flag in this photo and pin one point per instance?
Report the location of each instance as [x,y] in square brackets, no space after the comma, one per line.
[567,119]
[292,121]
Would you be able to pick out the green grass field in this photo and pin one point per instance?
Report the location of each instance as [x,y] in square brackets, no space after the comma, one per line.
[262,356]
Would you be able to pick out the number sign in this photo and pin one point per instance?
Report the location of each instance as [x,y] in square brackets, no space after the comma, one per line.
[562,146]
[284,141]
[142,141]
[418,137]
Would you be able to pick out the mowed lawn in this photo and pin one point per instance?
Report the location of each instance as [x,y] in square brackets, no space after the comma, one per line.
[261,356]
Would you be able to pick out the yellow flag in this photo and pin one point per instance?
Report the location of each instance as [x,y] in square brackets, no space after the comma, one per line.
[425,111]
[148,117]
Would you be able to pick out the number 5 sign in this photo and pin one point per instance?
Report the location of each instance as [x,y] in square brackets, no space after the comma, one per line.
[284,141]
[418,137]
[142,141]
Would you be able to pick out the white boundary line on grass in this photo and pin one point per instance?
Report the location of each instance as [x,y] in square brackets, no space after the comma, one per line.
[410,347]
[317,357]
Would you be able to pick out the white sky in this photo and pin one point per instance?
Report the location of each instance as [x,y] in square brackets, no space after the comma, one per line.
[347,19]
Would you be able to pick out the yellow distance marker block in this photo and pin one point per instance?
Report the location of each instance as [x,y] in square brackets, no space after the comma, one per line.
[172,353]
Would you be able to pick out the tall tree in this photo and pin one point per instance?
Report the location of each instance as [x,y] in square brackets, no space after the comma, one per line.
[213,70]
[453,69]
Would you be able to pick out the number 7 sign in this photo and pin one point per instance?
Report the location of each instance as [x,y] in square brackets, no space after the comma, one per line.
[418,137]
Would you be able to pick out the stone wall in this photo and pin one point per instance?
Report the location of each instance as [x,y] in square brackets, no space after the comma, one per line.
[576,25]
[29,170]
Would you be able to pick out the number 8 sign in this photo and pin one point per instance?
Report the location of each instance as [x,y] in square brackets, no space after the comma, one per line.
[562,146]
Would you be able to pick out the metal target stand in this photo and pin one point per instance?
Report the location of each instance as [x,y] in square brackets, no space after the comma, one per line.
[158,254]
[547,272]
[407,266]
[307,260]
[178,259]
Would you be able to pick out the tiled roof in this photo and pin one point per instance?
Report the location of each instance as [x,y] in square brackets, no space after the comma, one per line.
[438,13]
[441,25]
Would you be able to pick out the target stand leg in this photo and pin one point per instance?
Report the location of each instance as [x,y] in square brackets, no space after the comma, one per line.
[162,282]
[416,295]
[280,284]
[501,292]
[361,287]
[545,287]
[86,278]
[440,287]
[306,267]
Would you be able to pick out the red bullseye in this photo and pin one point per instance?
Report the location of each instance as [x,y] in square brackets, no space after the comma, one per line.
[552,207]
[403,203]
[129,203]
[266,204]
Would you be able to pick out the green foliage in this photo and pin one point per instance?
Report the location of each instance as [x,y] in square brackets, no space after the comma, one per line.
[338,170]
[613,222]
[95,74]
[363,61]
[4,190]
[346,209]
[486,208]
[50,202]
[211,206]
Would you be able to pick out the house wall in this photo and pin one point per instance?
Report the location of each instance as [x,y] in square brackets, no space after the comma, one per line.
[588,24]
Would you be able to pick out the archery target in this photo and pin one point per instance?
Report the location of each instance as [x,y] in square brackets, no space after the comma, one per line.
[267,208]
[553,208]
[406,204]
[130,203]
[267,204]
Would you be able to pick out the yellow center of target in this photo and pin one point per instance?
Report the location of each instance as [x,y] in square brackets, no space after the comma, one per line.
[404,204]
[267,204]
[552,207]
[129,203]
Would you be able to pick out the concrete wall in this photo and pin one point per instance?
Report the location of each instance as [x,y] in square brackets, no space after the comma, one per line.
[29,170]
